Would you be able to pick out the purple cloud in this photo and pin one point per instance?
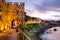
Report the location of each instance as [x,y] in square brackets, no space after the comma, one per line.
[48,5]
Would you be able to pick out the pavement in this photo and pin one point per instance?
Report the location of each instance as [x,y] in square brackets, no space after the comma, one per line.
[9,34]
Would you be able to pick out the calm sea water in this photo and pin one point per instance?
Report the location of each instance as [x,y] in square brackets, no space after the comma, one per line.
[51,34]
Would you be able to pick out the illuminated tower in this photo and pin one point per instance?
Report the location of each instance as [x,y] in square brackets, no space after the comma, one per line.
[11,14]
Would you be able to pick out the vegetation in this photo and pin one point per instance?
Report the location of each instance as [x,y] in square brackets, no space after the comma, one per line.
[35,29]
[32,29]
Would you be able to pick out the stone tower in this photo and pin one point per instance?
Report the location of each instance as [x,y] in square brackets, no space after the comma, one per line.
[11,14]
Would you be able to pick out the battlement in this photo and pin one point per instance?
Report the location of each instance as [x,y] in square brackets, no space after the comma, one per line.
[9,3]
[15,5]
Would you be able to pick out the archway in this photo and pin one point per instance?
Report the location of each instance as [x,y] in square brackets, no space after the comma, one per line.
[14,24]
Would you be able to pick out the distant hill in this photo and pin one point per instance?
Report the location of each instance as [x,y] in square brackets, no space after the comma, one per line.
[29,18]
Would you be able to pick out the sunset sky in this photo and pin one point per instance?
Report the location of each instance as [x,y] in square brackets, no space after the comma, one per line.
[43,9]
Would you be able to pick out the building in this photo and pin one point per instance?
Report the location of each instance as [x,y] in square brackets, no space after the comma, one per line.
[11,14]
[30,20]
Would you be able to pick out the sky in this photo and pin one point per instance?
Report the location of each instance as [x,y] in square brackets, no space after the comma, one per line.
[43,9]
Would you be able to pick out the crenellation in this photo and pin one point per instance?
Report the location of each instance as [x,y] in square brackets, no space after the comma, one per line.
[9,3]
[16,3]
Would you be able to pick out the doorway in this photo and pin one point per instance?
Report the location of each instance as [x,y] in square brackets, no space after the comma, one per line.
[14,24]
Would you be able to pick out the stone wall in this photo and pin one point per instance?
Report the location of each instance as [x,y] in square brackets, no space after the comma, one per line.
[11,13]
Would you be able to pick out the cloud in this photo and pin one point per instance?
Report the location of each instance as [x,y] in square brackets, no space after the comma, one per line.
[48,5]
[46,10]
[50,15]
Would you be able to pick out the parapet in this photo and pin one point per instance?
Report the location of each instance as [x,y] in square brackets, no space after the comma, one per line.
[9,3]
[16,3]
[15,6]
[22,3]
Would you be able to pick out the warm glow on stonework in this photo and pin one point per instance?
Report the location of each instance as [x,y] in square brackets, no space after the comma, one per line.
[11,15]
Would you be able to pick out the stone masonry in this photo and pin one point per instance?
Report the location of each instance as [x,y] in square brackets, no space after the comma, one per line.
[11,14]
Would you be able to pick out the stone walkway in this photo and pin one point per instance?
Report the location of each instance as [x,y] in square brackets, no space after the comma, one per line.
[10,34]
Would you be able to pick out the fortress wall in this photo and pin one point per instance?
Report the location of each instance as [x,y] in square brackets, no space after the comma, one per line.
[11,11]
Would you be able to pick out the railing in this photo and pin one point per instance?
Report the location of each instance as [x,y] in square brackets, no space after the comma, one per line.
[23,36]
